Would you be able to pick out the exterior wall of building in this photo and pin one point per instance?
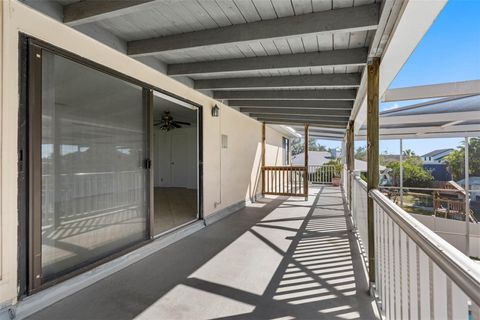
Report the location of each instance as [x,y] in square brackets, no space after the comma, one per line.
[230,175]
[273,149]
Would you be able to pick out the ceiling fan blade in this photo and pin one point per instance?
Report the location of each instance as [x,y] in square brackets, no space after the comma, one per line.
[176,125]
[185,123]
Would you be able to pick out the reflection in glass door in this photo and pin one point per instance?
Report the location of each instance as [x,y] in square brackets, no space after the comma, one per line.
[93,181]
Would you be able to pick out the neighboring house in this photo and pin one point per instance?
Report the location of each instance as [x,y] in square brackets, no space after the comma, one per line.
[434,162]
[474,187]
[439,171]
[436,156]
[315,158]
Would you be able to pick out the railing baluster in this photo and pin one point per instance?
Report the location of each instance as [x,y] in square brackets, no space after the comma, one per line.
[424,278]
[413,279]
[439,293]
[404,273]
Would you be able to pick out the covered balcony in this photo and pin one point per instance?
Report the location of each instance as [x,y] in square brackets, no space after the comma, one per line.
[146,163]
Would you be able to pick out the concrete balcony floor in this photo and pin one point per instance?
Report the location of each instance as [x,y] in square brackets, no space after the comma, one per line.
[280,258]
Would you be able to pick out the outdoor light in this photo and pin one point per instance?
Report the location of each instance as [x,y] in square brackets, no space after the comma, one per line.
[215,111]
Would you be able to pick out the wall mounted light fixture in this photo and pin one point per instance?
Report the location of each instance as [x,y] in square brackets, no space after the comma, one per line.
[215,111]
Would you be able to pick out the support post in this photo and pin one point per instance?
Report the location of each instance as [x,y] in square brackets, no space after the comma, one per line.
[305,180]
[467,199]
[263,158]
[350,159]
[401,173]
[372,157]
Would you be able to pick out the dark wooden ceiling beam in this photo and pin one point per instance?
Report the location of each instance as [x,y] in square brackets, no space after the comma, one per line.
[343,57]
[361,18]
[324,94]
[347,80]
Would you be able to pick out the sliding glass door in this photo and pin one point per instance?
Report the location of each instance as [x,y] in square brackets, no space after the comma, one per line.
[89,146]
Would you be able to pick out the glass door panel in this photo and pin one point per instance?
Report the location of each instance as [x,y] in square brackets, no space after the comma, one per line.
[93,182]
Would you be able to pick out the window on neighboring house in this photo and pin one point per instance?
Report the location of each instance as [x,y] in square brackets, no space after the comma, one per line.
[286,151]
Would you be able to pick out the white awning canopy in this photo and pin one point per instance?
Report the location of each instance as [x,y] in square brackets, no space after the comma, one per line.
[441,118]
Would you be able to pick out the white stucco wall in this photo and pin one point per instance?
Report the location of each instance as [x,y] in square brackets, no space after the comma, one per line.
[230,175]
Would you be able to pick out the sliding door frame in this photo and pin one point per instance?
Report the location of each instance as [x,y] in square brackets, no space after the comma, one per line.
[30,168]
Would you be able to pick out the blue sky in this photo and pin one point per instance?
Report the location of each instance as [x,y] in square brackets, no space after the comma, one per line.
[450,51]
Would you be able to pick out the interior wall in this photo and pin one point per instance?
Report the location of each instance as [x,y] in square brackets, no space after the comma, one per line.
[163,157]
[229,175]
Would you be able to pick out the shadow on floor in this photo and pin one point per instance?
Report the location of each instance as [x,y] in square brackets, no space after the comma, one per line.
[275,261]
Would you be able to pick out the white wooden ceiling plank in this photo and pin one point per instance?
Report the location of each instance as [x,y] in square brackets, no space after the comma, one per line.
[174,12]
[341,40]
[258,49]
[321,5]
[246,50]
[231,51]
[265,9]
[269,47]
[316,70]
[296,45]
[310,43]
[231,11]
[248,10]
[282,46]
[325,42]
[194,9]
[302,6]
[357,39]
[342,4]
[327,69]
[283,8]
[215,12]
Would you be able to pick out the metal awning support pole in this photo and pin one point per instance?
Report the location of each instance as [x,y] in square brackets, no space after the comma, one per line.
[350,159]
[372,158]
[305,181]
[401,173]
[467,200]
[263,159]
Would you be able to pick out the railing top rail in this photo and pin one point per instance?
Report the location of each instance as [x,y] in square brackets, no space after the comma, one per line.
[459,268]
[359,180]
[426,189]
[285,167]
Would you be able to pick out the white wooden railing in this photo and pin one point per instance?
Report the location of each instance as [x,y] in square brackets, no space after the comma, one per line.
[418,275]
[359,212]
[321,174]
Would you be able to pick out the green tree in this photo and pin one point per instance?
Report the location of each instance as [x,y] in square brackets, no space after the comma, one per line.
[414,175]
[409,153]
[361,153]
[298,146]
[456,160]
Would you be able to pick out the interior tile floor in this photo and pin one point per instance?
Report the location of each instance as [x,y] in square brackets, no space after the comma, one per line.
[173,207]
[279,258]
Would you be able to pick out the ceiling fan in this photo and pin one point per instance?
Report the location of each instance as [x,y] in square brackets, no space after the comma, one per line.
[167,123]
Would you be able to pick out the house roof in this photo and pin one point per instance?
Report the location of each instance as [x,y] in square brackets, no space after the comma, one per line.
[472,181]
[436,152]
[315,158]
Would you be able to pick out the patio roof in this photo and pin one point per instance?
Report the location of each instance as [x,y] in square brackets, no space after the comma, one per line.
[277,61]
[448,117]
